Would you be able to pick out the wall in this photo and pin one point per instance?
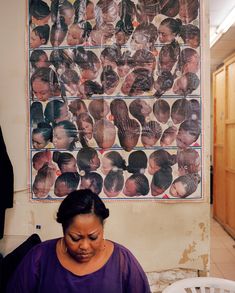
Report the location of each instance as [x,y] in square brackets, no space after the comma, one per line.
[162,236]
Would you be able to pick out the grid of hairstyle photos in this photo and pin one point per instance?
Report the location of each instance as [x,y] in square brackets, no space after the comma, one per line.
[115,98]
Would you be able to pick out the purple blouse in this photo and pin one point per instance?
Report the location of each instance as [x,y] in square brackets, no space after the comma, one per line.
[41,271]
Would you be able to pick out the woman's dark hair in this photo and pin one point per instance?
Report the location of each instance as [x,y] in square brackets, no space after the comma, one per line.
[98,108]
[114,180]
[84,157]
[61,158]
[45,130]
[92,88]
[58,7]
[61,26]
[190,31]
[61,57]
[169,8]
[71,180]
[135,108]
[38,9]
[80,202]
[36,113]
[163,178]
[96,181]
[161,107]
[173,24]
[111,53]
[35,56]
[46,75]
[172,51]
[141,183]
[163,159]
[149,30]
[142,57]
[116,159]
[192,82]
[85,59]
[180,110]
[190,182]
[192,8]
[143,81]
[119,110]
[137,162]
[152,129]
[192,126]
[108,77]
[125,25]
[70,130]
[53,111]
[42,31]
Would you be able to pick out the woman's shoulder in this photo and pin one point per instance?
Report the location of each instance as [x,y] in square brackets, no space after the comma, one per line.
[44,247]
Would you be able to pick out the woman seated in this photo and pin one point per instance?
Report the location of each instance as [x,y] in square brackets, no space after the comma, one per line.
[82,260]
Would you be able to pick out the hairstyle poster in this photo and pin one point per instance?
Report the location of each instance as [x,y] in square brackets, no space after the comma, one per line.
[115,99]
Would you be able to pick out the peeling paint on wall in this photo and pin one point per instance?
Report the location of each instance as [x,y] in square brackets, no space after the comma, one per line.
[186,253]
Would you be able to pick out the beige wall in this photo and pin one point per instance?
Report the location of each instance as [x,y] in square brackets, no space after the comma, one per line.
[162,236]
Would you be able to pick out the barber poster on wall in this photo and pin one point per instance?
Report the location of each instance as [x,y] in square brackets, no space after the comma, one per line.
[115,98]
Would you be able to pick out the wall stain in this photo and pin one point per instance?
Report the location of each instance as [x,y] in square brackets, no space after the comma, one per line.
[202,226]
[205,259]
[186,253]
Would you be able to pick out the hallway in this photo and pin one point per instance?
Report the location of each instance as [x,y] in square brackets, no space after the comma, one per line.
[222,253]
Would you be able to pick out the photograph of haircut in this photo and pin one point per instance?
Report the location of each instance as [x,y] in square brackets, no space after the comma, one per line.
[114,99]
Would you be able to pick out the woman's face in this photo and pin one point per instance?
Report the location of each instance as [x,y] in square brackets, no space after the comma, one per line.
[163,117]
[60,138]
[121,38]
[68,15]
[71,166]
[35,40]
[111,193]
[61,189]
[177,189]
[64,114]
[41,90]
[84,238]
[193,42]
[74,36]
[184,139]
[185,14]
[130,188]
[152,167]
[192,65]
[38,141]
[86,128]
[145,108]
[42,61]
[95,163]
[42,188]
[127,84]
[155,190]
[148,141]
[165,34]
[111,14]
[180,85]
[90,74]
[139,41]
[123,70]
[90,13]
[57,38]
[106,165]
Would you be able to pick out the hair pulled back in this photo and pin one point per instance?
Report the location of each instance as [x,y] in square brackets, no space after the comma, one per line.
[80,202]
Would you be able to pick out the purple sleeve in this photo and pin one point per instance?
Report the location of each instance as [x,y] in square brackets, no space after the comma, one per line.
[135,279]
[26,276]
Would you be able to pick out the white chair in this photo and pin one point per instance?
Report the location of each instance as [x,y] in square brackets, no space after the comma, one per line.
[201,285]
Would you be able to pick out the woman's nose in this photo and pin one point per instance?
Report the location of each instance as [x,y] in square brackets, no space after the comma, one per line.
[84,244]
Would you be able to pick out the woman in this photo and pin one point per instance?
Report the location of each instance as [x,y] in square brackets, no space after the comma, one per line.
[82,260]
